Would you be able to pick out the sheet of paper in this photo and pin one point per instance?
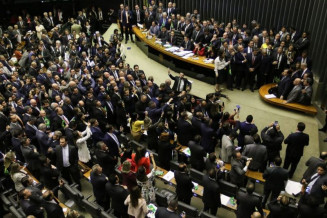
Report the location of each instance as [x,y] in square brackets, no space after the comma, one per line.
[168,176]
[224,199]
[187,151]
[270,96]
[293,187]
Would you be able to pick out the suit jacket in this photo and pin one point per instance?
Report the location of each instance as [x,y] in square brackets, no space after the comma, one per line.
[302,44]
[295,94]
[258,153]
[184,185]
[163,36]
[31,157]
[177,81]
[118,195]
[316,189]
[284,87]
[197,156]
[275,178]
[44,141]
[99,183]
[188,30]
[227,148]
[283,61]
[162,212]
[49,176]
[245,129]
[306,97]
[237,174]
[73,157]
[253,64]
[141,14]
[312,165]
[112,144]
[185,132]
[187,45]
[97,134]
[197,36]
[295,144]
[68,111]
[211,192]
[172,40]
[279,211]
[246,204]
[57,123]
[208,137]
[106,161]
[53,210]
[30,207]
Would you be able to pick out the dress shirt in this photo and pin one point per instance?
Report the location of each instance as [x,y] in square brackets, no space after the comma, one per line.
[65,156]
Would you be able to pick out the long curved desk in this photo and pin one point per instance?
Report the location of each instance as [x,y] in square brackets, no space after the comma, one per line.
[276,101]
[192,66]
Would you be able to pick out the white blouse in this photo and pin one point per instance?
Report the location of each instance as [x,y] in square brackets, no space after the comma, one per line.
[220,64]
[83,151]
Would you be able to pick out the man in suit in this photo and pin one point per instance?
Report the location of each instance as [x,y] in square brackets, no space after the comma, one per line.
[188,30]
[208,135]
[245,128]
[247,203]
[197,35]
[275,177]
[68,108]
[43,139]
[52,208]
[67,162]
[211,193]
[313,163]
[187,44]
[197,154]
[98,181]
[239,165]
[295,94]
[304,59]
[272,137]
[302,43]
[295,145]
[60,121]
[49,174]
[105,159]
[111,140]
[306,93]
[163,35]
[118,194]
[316,186]
[285,84]
[227,147]
[279,62]
[170,212]
[127,20]
[253,63]
[185,129]
[31,157]
[279,208]
[184,184]
[240,67]
[30,205]
[305,70]
[180,83]
[138,15]
[258,153]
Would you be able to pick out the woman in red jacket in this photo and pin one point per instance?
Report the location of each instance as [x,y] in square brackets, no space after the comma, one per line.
[140,159]
[199,49]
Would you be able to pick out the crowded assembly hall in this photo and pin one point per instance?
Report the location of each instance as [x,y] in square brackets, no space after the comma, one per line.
[163,109]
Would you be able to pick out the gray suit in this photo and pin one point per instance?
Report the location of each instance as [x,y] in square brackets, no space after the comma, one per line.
[305,98]
[227,148]
[295,94]
[258,153]
[237,174]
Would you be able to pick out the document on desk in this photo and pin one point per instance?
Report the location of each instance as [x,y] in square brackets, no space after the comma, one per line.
[224,199]
[270,96]
[293,187]
[172,49]
[187,151]
[169,176]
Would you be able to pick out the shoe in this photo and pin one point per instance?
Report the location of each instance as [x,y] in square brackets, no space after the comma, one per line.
[243,89]
[238,88]
[132,40]
[125,41]
[322,130]
[325,140]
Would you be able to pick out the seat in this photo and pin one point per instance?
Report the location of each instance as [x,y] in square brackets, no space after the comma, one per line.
[161,199]
[206,215]
[72,194]
[16,213]
[104,214]
[92,208]
[188,209]
[196,176]
[254,194]
[227,188]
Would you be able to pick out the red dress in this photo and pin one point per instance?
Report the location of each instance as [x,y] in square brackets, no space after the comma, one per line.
[144,161]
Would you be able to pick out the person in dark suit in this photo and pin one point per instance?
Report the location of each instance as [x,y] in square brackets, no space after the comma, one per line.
[272,137]
[118,194]
[208,136]
[186,44]
[184,184]
[180,83]
[31,157]
[169,212]
[43,139]
[98,181]
[279,208]
[163,35]
[265,76]
[306,92]
[29,205]
[68,108]
[138,15]
[211,193]
[275,177]
[67,161]
[185,129]
[302,43]
[165,149]
[197,35]
[52,208]
[127,20]
[59,121]
[105,158]
[246,203]
[188,30]
[279,62]
[172,39]
[99,113]
[295,94]
[239,168]
[253,63]
[111,140]
[313,163]
[111,112]
[285,84]
[309,207]
[240,67]
[197,154]
[295,145]
[97,134]
[49,174]
[258,153]
[245,128]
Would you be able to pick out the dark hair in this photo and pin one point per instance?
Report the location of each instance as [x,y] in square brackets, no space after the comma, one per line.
[181,167]
[301,126]
[249,118]
[212,157]
[322,165]
[127,155]
[250,188]
[112,179]
[135,194]
[233,134]
[212,173]
[141,174]
[278,161]
[256,138]
[197,138]
[140,152]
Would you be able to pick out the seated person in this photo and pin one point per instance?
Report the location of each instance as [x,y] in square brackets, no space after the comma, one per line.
[279,208]
[295,94]
[186,44]
[163,35]
[285,85]
[199,49]
[154,29]
[306,93]
[172,39]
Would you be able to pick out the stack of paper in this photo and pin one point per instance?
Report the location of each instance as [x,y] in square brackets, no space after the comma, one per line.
[270,96]
[172,49]
[158,42]
[208,61]
[169,176]
[293,187]
[187,151]
[183,53]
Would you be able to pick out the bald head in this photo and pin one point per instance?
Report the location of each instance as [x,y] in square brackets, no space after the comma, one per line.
[297,81]
[256,215]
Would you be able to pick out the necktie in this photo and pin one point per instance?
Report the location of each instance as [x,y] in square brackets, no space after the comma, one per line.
[253,59]
[110,106]
[65,120]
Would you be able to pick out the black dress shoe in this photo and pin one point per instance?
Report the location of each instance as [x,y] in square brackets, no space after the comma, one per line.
[322,130]
[125,41]
[132,40]
[243,89]
[238,88]
[325,140]
[252,90]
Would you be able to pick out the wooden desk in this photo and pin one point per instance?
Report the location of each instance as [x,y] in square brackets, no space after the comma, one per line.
[251,174]
[160,48]
[276,101]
